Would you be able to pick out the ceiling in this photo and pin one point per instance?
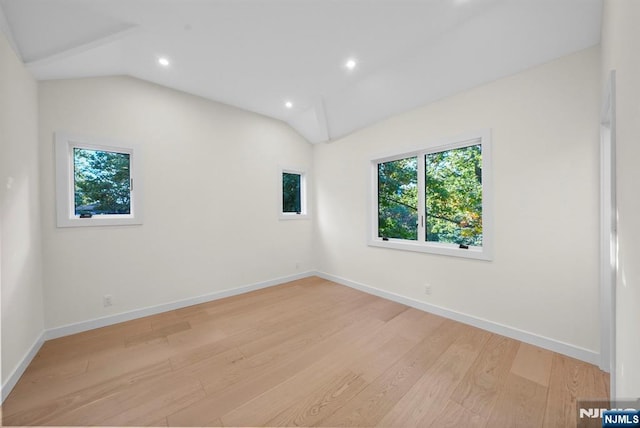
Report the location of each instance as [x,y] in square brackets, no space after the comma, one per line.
[259,54]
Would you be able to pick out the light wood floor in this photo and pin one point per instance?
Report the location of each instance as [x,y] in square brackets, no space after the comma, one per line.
[307,353]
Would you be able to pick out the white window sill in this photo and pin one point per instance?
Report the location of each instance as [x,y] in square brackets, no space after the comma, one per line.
[477,253]
[294,216]
[101,220]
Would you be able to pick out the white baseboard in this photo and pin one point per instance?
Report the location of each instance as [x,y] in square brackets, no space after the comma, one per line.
[501,329]
[21,367]
[79,327]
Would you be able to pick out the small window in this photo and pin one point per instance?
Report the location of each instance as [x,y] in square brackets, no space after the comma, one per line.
[293,185]
[96,182]
[102,182]
[435,200]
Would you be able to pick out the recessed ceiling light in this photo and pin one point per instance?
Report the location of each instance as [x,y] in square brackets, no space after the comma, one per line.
[350,64]
[288,104]
[163,61]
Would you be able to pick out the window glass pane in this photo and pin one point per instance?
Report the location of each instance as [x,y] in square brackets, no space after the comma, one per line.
[291,193]
[454,196]
[398,199]
[102,182]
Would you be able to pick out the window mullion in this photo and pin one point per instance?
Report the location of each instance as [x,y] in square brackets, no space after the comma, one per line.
[71,172]
[422,218]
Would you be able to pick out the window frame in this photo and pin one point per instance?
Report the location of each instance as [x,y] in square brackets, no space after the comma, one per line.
[485,252]
[304,211]
[65,181]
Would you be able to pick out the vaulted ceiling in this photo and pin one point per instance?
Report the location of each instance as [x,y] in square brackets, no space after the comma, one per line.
[260,54]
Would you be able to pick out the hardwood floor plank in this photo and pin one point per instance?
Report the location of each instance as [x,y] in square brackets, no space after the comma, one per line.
[386,310]
[572,380]
[334,387]
[134,406]
[226,313]
[48,409]
[392,342]
[202,353]
[455,416]
[128,359]
[161,422]
[195,336]
[145,404]
[375,401]
[533,363]
[426,399]
[369,357]
[380,353]
[480,388]
[521,403]
[330,322]
[258,411]
[287,323]
[159,334]
[323,401]
[230,388]
[414,324]
[55,352]
[215,363]
[52,372]
[120,370]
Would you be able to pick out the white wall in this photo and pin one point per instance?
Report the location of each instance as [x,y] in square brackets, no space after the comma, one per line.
[211,176]
[20,237]
[544,275]
[620,48]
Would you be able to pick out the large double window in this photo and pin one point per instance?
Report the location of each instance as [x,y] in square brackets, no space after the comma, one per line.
[435,200]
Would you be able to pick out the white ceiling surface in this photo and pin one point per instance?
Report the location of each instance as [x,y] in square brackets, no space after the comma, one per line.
[255,54]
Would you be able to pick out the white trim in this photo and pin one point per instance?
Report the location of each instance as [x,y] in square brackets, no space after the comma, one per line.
[79,327]
[65,210]
[608,233]
[485,252]
[18,371]
[431,247]
[501,329]
[292,216]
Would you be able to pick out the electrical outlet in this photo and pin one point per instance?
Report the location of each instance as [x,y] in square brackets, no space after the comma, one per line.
[427,289]
[107,300]
[297,265]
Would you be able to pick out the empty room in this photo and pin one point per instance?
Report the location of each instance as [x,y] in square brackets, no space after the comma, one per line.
[376,213]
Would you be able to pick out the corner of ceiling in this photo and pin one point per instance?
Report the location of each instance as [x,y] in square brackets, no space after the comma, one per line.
[5,28]
[312,123]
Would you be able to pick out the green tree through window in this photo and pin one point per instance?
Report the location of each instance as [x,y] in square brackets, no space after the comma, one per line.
[291,193]
[398,199]
[102,182]
[454,196]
